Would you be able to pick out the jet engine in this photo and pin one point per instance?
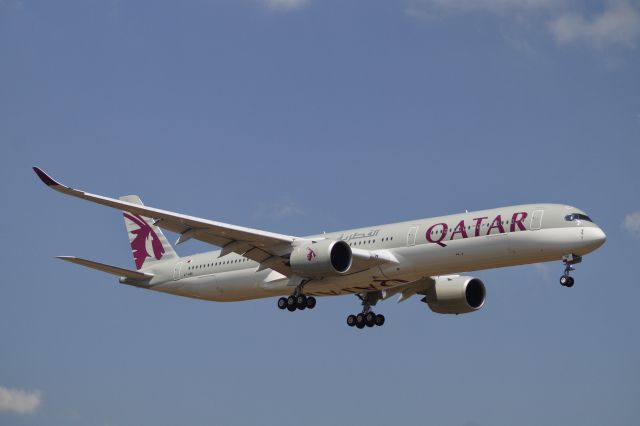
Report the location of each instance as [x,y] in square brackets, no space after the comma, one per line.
[321,259]
[455,295]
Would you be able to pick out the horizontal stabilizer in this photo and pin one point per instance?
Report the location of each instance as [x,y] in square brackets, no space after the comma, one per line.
[114,270]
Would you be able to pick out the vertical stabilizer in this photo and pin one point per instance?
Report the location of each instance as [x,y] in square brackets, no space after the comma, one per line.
[148,243]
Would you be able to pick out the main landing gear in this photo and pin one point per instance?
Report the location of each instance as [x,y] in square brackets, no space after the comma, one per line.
[297,300]
[367,318]
[363,319]
[300,302]
[569,260]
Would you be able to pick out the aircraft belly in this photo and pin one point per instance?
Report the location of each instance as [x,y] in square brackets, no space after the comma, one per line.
[554,242]
[455,256]
[474,253]
[225,286]
[362,282]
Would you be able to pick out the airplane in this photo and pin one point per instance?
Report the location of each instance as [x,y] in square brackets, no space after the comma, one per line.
[419,257]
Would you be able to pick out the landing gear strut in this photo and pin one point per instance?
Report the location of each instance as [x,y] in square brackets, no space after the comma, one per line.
[298,300]
[569,260]
[366,318]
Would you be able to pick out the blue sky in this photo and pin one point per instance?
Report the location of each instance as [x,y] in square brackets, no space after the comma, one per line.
[298,117]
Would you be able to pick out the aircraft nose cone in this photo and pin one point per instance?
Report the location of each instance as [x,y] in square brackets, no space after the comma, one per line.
[598,236]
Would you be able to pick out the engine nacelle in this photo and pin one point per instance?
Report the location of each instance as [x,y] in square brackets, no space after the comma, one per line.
[320,259]
[455,295]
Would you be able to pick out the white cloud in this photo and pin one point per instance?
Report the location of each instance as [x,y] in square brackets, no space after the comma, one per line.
[19,401]
[567,21]
[286,210]
[543,271]
[11,4]
[632,223]
[285,4]
[430,8]
[278,210]
[500,6]
[520,44]
[618,24]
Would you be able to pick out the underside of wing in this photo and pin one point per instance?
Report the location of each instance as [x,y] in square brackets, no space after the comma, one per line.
[407,290]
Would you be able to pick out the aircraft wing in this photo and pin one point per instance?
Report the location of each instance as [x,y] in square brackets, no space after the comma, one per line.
[267,248]
[252,243]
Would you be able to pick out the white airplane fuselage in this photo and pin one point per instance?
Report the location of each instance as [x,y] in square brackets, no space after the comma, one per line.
[419,257]
[471,241]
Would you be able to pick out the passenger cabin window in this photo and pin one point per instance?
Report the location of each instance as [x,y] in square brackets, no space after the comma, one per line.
[577,216]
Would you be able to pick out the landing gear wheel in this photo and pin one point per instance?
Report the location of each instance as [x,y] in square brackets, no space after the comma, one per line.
[311,302]
[370,319]
[301,302]
[282,302]
[564,280]
[295,302]
[360,322]
[379,320]
[351,320]
[291,303]
[570,282]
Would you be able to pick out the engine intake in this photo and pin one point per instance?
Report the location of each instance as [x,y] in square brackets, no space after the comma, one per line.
[455,295]
[321,259]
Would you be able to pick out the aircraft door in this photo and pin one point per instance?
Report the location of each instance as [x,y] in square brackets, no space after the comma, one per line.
[536,219]
[177,271]
[411,236]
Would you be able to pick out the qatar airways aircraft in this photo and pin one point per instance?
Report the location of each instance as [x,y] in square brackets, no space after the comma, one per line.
[373,263]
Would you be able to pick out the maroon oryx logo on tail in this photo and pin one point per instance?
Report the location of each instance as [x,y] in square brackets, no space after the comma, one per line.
[142,235]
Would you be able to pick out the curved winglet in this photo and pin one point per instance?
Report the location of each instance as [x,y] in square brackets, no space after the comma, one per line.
[48,180]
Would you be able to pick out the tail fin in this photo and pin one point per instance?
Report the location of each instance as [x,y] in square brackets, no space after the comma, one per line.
[148,243]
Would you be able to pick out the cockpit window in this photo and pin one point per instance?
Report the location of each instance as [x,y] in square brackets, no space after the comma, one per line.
[577,216]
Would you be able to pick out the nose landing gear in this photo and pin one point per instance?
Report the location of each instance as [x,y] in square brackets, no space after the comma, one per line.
[569,260]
